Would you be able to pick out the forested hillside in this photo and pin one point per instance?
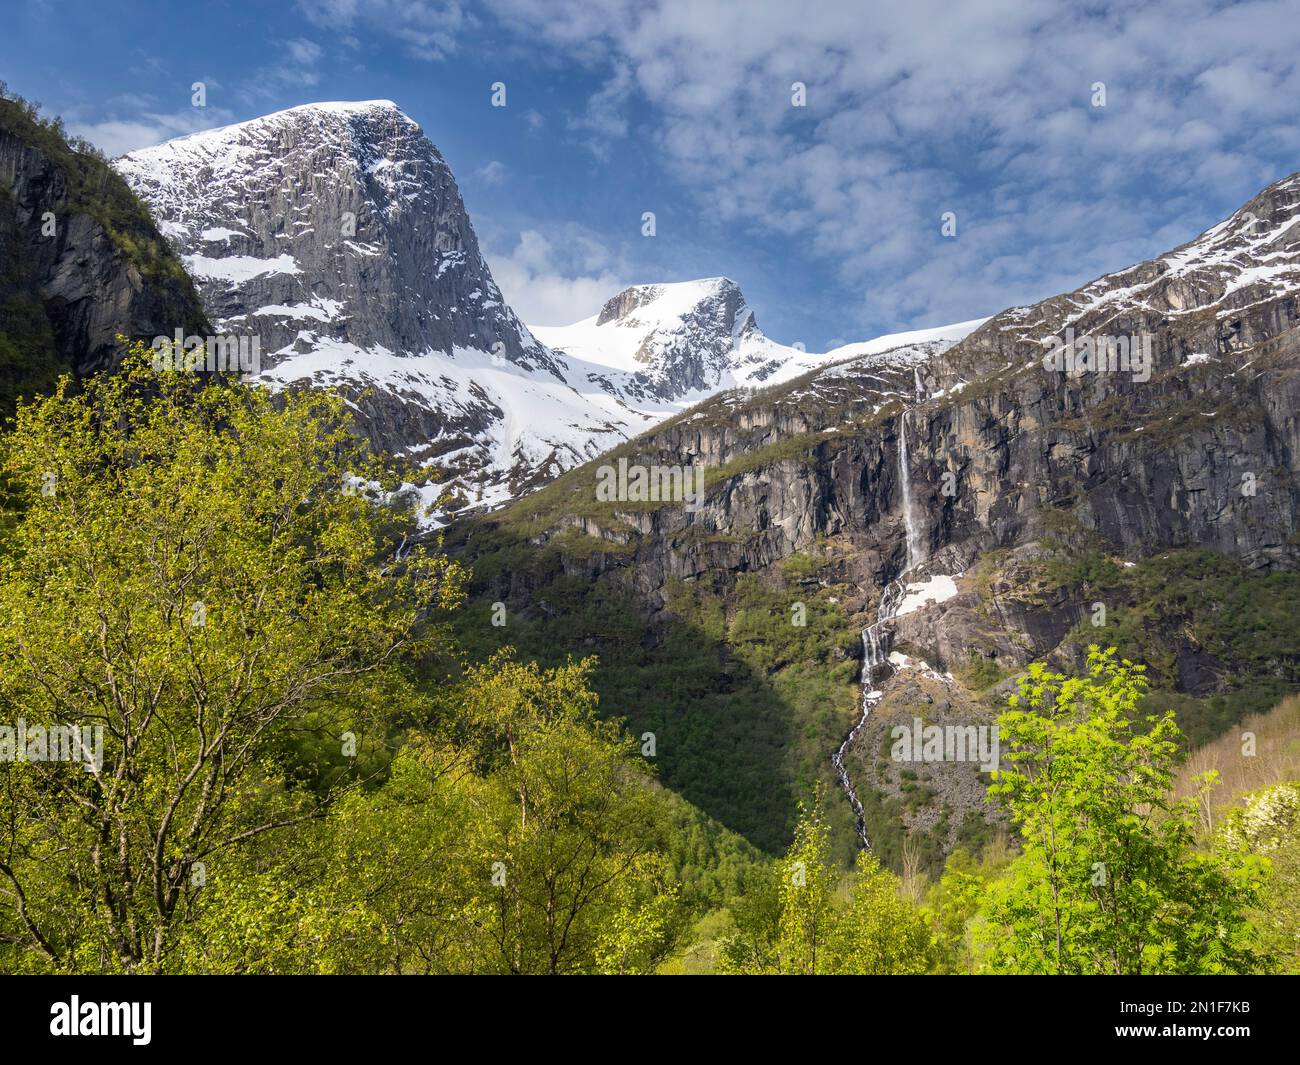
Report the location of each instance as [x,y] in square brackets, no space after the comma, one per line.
[951,662]
[303,767]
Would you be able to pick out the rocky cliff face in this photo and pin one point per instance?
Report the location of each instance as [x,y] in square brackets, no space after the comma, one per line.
[333,223]
[80,259]
[1152,410]
[335,234]
[1200,447]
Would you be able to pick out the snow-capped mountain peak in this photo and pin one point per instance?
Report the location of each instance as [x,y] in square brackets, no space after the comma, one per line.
[336,221]
[334,233]
[656,306]
[679,340]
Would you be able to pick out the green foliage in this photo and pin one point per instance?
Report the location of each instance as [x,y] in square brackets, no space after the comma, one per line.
[291,780]
[573,823]
[187,575]
[732,675]
[29,358]
[953,905]
[30,361]
[1268,825]
[185,572]
[96,189]
[1108,881]
[980,672]
[1088,567]
[1238,621]
[305,771]
[798,922]
[881,933]
[530,845]
[801,566]
[794,447]
[711,865]
[805,889]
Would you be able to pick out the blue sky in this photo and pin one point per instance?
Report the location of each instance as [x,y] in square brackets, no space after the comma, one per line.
[828,215]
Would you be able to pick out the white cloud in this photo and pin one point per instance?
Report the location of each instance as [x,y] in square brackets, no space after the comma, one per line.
[303,57]
[429,28]
[605,115]
[556,283]
[920,108]
[303,51]
[492,173]
[117,136]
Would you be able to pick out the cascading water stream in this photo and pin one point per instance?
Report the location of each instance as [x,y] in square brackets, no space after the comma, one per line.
[913,538]
[874,656]
[875,637]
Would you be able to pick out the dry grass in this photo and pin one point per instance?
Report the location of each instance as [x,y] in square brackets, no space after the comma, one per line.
[913,882]
[1276,759]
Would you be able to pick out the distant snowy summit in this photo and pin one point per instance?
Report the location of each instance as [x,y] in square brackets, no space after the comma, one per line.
[674,341]
[683,342]
[335,233]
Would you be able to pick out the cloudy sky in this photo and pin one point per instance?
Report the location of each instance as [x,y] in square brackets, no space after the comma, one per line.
[830,214]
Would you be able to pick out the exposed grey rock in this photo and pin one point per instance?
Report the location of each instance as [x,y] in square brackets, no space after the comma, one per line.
[1002,453]
[1206,452]
[88,285]
[335,233]
[346,218]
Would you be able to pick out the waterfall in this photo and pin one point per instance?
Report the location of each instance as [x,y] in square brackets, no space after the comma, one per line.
[875,654]
[905,480]
[397,556]
[875,637]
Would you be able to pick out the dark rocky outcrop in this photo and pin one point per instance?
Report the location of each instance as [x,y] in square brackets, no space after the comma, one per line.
[1004,455]
[1204,452]
[80,260]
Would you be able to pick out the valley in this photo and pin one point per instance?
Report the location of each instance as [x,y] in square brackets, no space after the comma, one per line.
[650,596]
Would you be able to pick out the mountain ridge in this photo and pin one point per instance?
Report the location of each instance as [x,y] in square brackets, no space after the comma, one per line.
[1036,494]
[336,233]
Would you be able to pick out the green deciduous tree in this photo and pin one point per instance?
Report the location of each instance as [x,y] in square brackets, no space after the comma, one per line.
[881,933]
[568,832]
[1268,825]
[530,843]
[954,901]
[808,918]
[190,570]
[1109,880]
[806,889]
